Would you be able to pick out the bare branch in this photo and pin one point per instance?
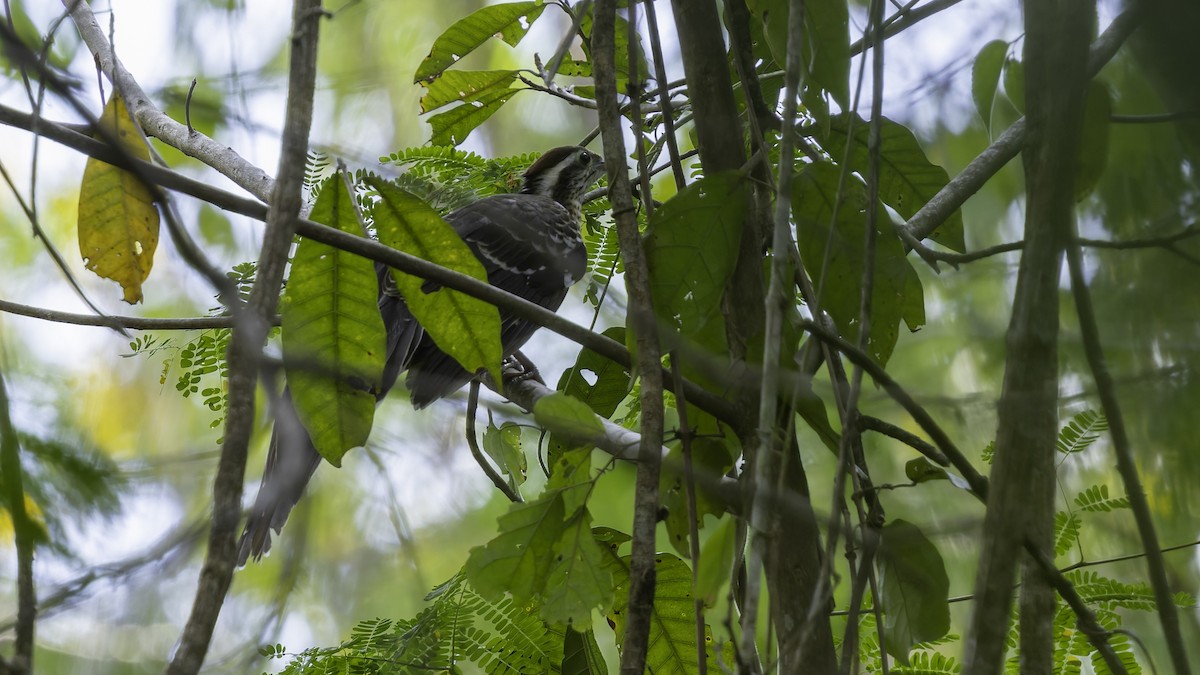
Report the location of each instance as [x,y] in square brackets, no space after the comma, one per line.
[155,122]
[23,533]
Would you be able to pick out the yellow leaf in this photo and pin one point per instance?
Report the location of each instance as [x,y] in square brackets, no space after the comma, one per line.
[118,223]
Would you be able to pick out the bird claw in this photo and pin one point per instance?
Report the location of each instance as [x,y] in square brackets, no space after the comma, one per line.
[518,368]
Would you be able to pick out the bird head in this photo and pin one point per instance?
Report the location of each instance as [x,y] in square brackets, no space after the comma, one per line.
[563,174]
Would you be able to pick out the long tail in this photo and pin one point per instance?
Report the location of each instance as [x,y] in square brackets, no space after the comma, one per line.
[291,461]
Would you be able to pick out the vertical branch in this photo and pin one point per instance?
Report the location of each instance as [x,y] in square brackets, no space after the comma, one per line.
[1155,566]
[851,441]
[764,526]
[641,320]
[14,494]
[1021,499]
[245,350]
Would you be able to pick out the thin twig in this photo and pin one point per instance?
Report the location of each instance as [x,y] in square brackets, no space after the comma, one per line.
[23,533]
[473,443]
[645,332]
[128,322]
[1155,565]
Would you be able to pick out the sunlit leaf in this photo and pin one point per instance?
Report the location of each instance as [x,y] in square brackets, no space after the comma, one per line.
[710,457]
[672,618]
[453,126]
[518,560]
[466,328]
[118,222]
[568,417]
[914,588]
[985,77]
[578,581]
[507,21]
[334,341]
[503,445]
[907,179]
[460,85]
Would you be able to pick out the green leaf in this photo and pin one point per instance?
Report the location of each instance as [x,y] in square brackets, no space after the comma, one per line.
[466,328]
[710,457]
[621,54]
[581,654]
[1014,83]
[826,41]
[1093,154]
[334,341]
[568,416]
[896,292]
[827,34]
[578,581]
[1096,499]
[672,617]
[716,560]
[503,445]
[907,179]
[518,560]
[596,380]
[508,21]
[985,77]
[691,248]
[453,127]
[1081,431]
[914,589]
[459,85]
[1066,532]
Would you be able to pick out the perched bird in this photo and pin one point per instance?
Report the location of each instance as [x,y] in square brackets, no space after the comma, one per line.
[529,244]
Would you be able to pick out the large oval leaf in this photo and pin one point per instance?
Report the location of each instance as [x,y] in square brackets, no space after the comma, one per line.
[896,292]
[509,22]
[466,328]
[985,77]
[334,341]
[118,222]
[691,249]
[907,179]
[914,588]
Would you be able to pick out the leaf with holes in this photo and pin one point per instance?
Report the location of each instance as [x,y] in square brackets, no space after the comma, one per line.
[465,86]
[914,589]
[691,247]
[453,126]
[334,341]
[503,445]
[466,328]
[508,21]
[118,222]
[579,581]
[672,643]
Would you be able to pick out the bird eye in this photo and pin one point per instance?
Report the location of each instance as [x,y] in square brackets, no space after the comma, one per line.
[585,158]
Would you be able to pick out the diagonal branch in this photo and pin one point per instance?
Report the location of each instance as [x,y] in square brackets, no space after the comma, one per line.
[1007,146]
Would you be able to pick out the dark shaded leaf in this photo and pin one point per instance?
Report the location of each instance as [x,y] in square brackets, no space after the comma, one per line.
[896,293]
[914,588]
[907,179]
